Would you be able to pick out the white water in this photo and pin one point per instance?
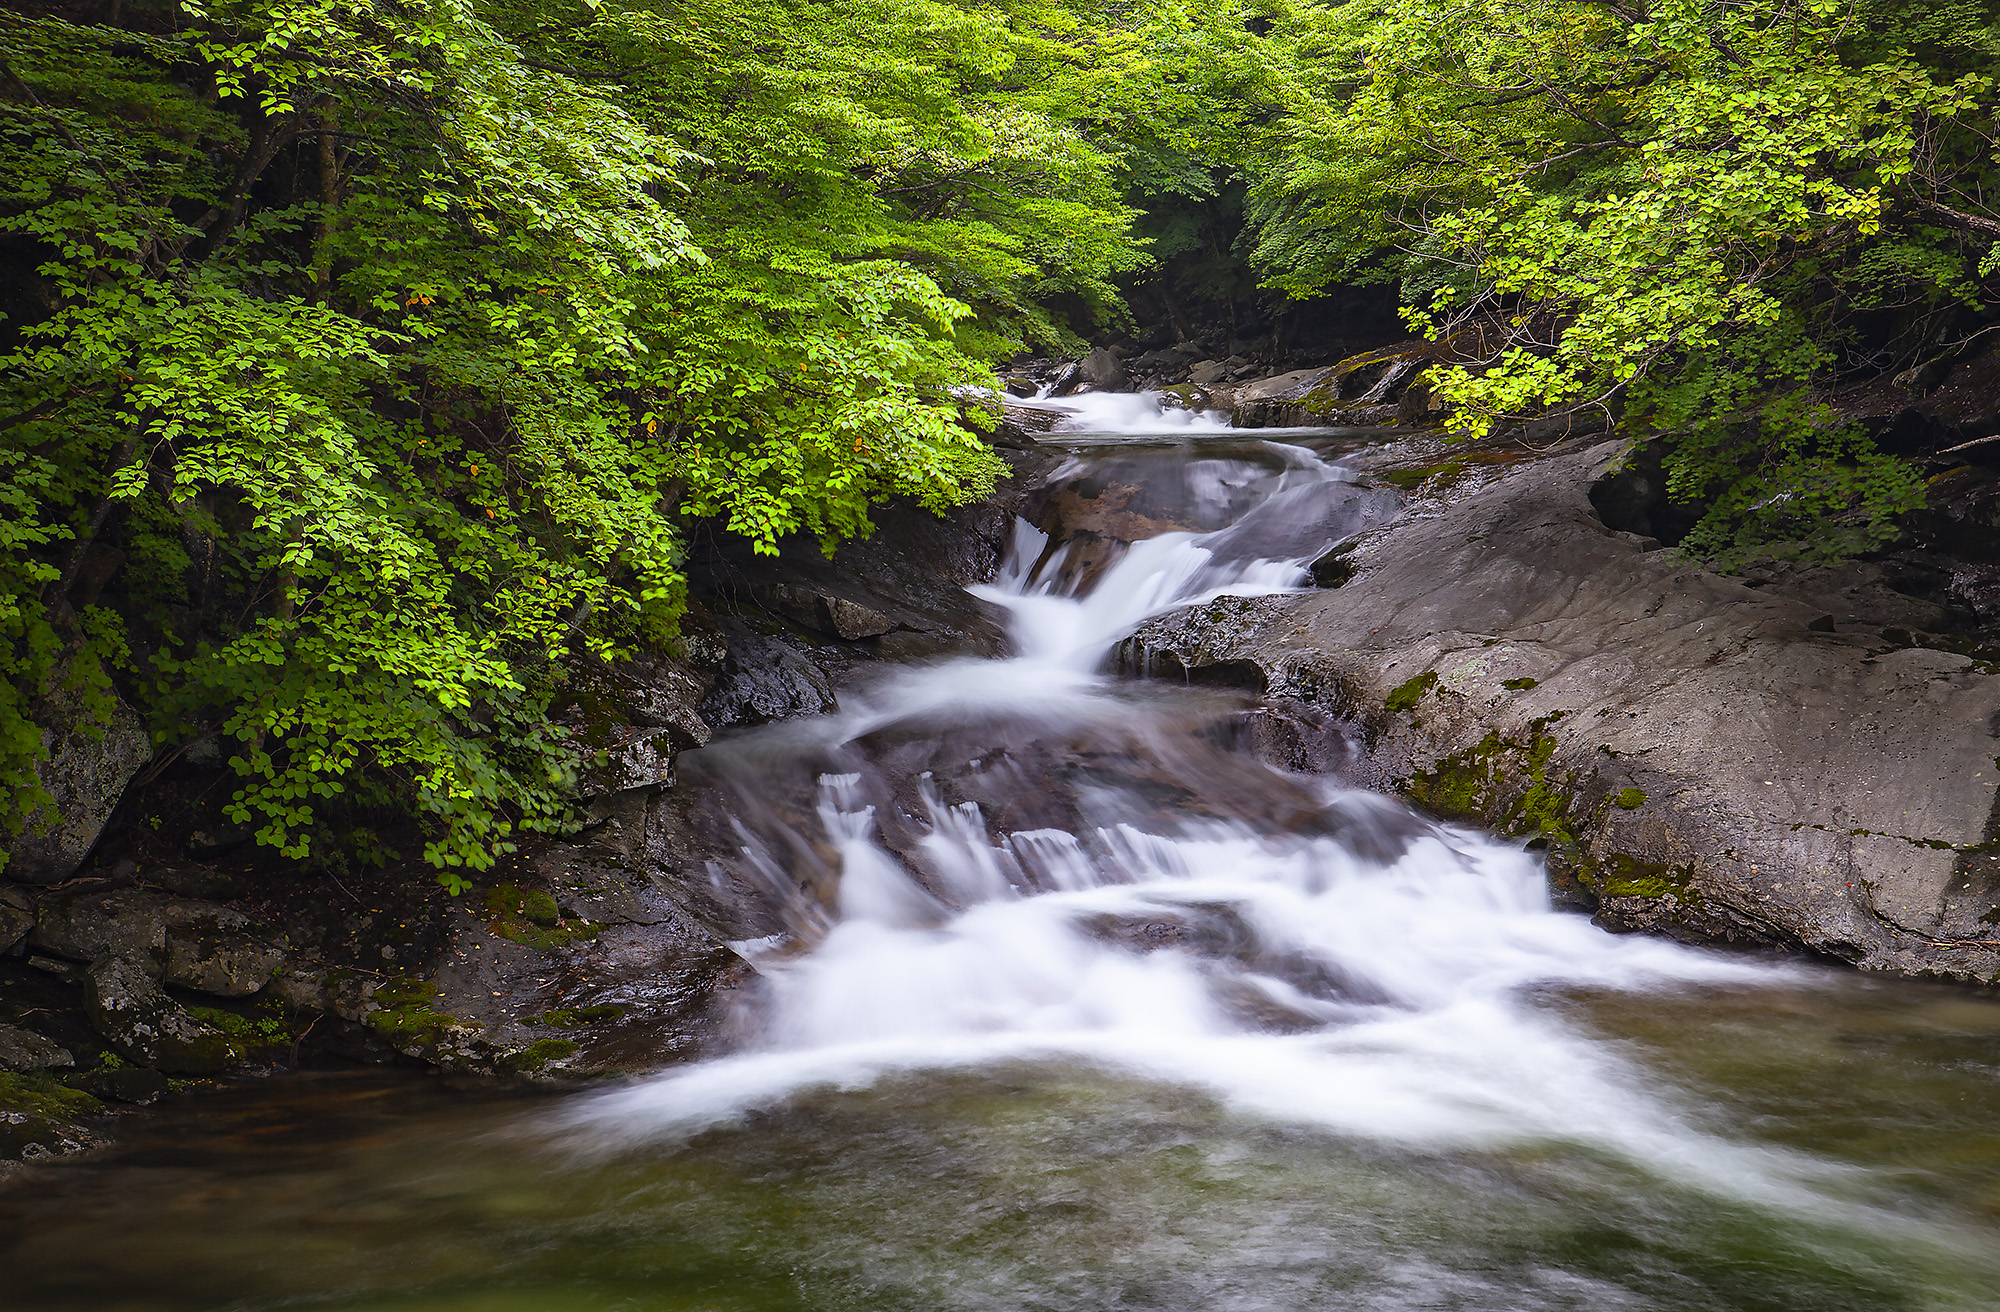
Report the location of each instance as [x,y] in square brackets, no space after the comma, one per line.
[1387,999]
[1126,413]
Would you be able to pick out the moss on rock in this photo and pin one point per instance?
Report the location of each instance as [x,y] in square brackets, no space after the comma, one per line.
[531,918]
[537,1055]
[404,1014]
[1407,695]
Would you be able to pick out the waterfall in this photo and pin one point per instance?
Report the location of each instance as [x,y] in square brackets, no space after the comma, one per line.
[1366,971]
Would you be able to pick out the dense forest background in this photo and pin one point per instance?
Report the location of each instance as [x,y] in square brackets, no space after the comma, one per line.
[366,364]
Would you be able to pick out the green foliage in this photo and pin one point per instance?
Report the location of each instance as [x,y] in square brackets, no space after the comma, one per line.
[1668,213]
[392,346]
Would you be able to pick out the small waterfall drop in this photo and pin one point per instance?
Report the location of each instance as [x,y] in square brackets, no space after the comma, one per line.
[1351,966]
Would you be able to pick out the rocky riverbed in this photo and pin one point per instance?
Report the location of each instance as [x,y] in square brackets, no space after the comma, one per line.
[1799,757]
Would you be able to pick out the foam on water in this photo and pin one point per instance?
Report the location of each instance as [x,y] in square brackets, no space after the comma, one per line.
[1386,997]
[1126,413]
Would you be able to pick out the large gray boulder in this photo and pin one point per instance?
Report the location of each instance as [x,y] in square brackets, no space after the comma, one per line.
[1105,372]
[91,751]
[1702,758]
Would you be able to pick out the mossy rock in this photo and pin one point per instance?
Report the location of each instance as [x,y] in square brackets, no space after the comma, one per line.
[1406,696]
[1409,480]
[511,902]
[1503,783]
[248,1036]
[531,918]
[1630,799]
[39,1114]
[537,1055]
[1624,875]
[565,1018]
[405,1016]
[40,1094]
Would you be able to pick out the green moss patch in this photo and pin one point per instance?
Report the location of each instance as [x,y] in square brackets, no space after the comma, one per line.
[570,1017]
[1411,479]
[532,918]
[43,1096]
[1631,799]
[246,1035]
[1628,876]
[1502,782]
[1520,685]
[540,1053]
[404,1014]
[1406,697]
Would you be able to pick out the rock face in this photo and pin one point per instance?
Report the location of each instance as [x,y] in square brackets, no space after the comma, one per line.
[129,1008]
[632,719]
[17,917]
[192,945]
[1701,757]
[24,1050]
[90,758]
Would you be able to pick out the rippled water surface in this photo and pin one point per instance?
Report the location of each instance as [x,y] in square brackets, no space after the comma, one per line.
[1066,999]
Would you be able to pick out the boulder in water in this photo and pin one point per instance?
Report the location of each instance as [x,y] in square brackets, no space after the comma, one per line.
[1104,371]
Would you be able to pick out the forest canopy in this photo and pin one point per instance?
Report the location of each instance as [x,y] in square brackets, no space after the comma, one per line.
[387,351]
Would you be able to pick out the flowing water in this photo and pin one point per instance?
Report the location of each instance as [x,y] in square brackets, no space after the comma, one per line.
[1065,1000]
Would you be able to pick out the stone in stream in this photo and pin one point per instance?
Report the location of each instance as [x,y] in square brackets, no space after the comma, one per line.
[1104,371]
[1702,758]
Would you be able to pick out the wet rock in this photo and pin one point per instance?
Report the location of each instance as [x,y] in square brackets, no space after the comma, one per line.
[130,1009]
[1104,371]
[24,1050]
[1699,756]
[127,1084]
[1208,373]
[826,612]
[93,747]
[194,945]
[17,917]
[764,679]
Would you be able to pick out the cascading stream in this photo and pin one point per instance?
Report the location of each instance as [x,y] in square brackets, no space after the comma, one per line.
[1065,1001]
[1364,971]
